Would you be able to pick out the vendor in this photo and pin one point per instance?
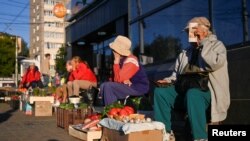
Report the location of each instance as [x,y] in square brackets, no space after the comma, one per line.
[129,75]
[83,77]
[31,78]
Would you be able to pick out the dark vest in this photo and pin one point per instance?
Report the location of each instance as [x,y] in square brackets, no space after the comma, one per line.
[140,80]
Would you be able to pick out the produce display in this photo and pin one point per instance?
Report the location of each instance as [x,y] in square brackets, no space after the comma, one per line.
[70,106]
[23,90]
[91,122]
[125,114]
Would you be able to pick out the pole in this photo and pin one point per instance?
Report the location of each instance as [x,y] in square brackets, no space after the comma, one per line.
[141,29]
[16,65]
[210,13]
[245,21]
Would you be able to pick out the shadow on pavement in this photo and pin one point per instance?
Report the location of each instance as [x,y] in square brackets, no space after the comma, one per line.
[6,115]
[53,140]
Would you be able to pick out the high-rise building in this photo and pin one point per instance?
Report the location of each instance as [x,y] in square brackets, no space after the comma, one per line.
[47,32]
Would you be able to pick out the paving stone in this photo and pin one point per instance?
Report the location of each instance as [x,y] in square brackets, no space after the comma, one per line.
[16,126]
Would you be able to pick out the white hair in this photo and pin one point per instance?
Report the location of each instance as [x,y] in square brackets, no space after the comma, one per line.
[206,28]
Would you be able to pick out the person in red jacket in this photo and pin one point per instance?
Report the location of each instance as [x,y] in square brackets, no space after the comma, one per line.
[32,77]
[83,77]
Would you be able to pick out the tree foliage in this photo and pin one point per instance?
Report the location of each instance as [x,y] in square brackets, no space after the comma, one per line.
[60,60]
[162,48]
[7,59]
[25,50]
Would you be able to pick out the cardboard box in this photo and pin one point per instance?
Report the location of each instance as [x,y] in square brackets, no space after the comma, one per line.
[84,135]
[148,135]
[43,108]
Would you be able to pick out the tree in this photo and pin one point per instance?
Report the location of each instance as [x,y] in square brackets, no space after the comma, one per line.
[162,48]
[25,50]
[60,60]
[7,59]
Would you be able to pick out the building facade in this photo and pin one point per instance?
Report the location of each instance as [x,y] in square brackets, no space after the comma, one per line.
[92,27]
[156,30]
[47,32]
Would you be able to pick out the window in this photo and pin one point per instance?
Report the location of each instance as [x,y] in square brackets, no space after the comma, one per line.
[50,2]
[48,13]
[52,45]
[161,43]
[37,38]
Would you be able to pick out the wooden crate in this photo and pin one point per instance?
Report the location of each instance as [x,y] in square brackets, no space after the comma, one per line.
[64,117]
[85,135]
[43,108]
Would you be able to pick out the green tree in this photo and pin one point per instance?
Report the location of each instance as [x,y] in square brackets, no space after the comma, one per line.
[25,50]
[7,59]
[161,48]
[60,60]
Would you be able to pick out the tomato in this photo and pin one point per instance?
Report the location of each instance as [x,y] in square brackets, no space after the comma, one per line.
[129,109]
[123,112]
[118,109]
[94,116]
[113,111]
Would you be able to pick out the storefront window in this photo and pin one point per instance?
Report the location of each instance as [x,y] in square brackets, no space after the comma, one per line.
[162,31]
[145,5]
[103,60]
[227,19]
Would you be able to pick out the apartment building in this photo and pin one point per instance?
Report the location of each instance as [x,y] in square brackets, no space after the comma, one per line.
[47,32]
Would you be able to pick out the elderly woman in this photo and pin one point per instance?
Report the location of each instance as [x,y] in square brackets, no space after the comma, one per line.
[129,76]
[207,55]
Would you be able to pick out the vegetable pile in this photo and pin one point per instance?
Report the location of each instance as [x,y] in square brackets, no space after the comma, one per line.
[91,122]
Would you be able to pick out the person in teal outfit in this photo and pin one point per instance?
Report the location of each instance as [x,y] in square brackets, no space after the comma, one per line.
[207,54]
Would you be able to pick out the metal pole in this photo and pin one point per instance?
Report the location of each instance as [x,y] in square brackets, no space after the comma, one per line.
[245,21]
[16,65]
[141,30]
[210,13]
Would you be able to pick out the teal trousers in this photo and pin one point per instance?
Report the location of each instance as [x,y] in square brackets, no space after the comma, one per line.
[194,101]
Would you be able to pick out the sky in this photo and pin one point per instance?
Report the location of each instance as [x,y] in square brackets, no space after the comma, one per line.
[14,18]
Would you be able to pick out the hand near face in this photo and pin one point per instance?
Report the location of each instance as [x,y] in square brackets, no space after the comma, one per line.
[73,65]
[69,68]
[117,57]
[200,33]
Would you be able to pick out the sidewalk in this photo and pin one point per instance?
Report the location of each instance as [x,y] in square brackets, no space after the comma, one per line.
[16,126]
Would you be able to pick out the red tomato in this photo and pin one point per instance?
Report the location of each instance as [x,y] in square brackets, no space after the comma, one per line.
[123,112]
[113,111]
[118,109]
[129,109]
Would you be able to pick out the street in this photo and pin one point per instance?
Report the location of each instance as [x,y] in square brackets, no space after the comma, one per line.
[16,126]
